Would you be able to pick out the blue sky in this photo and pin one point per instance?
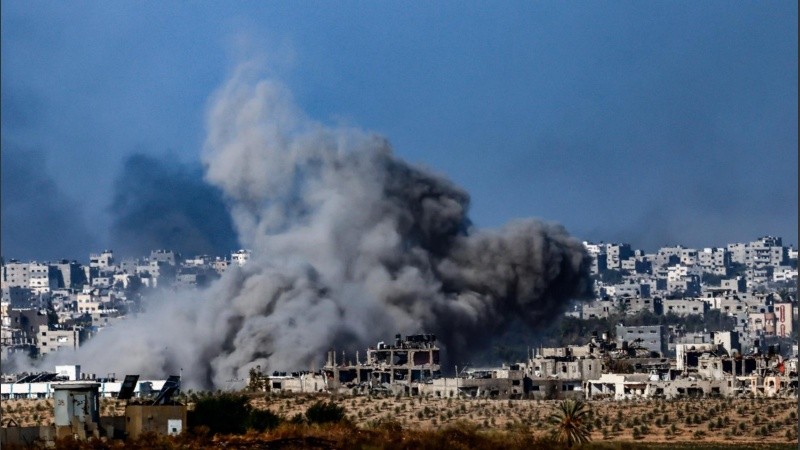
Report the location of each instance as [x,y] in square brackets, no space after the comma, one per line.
[648,122]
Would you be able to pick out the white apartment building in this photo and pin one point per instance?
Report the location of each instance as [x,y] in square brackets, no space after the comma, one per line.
[784,273]
[240,257]
[104,260]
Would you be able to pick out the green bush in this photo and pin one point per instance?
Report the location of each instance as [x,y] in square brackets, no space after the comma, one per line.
[261,420]
[324,412]
[222,413]
[228,413]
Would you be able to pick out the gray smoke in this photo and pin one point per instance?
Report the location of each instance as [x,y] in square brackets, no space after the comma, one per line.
[39,221]
[350,245]
[163,205]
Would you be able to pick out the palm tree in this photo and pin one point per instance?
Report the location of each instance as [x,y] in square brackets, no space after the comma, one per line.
[570,419]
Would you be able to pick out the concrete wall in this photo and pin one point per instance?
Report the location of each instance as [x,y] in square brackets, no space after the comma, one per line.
[141,419]
[25,436]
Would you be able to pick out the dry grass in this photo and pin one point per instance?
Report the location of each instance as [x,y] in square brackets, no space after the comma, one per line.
[692,421]
[376,422]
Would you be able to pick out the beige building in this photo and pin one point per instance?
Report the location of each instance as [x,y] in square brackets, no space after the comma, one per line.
[783,319]
[48,341]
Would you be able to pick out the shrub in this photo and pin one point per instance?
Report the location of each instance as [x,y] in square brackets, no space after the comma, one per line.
[222,413]
[324,412]
[261,420]
[229,413]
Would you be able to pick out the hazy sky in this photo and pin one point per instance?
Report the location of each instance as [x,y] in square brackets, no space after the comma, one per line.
[648,122]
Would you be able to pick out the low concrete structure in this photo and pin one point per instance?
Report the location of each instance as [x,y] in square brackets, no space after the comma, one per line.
[77,409]
[159,419]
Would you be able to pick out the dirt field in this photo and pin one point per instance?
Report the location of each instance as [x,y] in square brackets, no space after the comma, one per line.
[723,421]
[712,420]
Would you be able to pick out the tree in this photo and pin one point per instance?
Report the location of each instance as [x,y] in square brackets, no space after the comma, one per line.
[570,419]
[257,381]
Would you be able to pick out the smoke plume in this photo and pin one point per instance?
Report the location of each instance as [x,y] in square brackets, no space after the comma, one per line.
[158,205]
[39,221]
[350,245]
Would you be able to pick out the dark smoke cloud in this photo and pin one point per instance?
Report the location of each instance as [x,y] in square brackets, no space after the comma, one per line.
[39,221]
[350,245]
[162,204]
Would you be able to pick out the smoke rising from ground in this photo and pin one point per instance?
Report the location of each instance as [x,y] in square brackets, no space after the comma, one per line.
[350,245]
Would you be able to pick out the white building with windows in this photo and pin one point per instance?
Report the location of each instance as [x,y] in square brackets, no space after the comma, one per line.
[240,257]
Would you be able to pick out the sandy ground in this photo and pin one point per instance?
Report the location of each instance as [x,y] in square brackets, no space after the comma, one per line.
[711,420]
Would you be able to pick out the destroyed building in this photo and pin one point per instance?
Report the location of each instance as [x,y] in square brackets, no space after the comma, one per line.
[391,367]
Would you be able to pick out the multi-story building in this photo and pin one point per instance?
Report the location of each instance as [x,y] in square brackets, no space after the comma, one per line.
[667,256]
[616,253]
[42,278]
[757,276]
[761,323]
[16,274]
[688,286]
[637,264]
[784,274]
[70,274]
[411,360]
[51,340]
[651,337]
[103,260]
[635,305]
[240,257]
[599,309]
[783,319]
[714,260]
[16,297]
[164,256]
[685,306]
[688,256]
[737,284]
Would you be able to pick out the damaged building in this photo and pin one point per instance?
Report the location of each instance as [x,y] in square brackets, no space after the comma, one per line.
[398,367]
[601,369]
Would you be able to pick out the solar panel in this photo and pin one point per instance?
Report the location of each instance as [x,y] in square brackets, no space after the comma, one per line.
[128,385]
[172,385]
